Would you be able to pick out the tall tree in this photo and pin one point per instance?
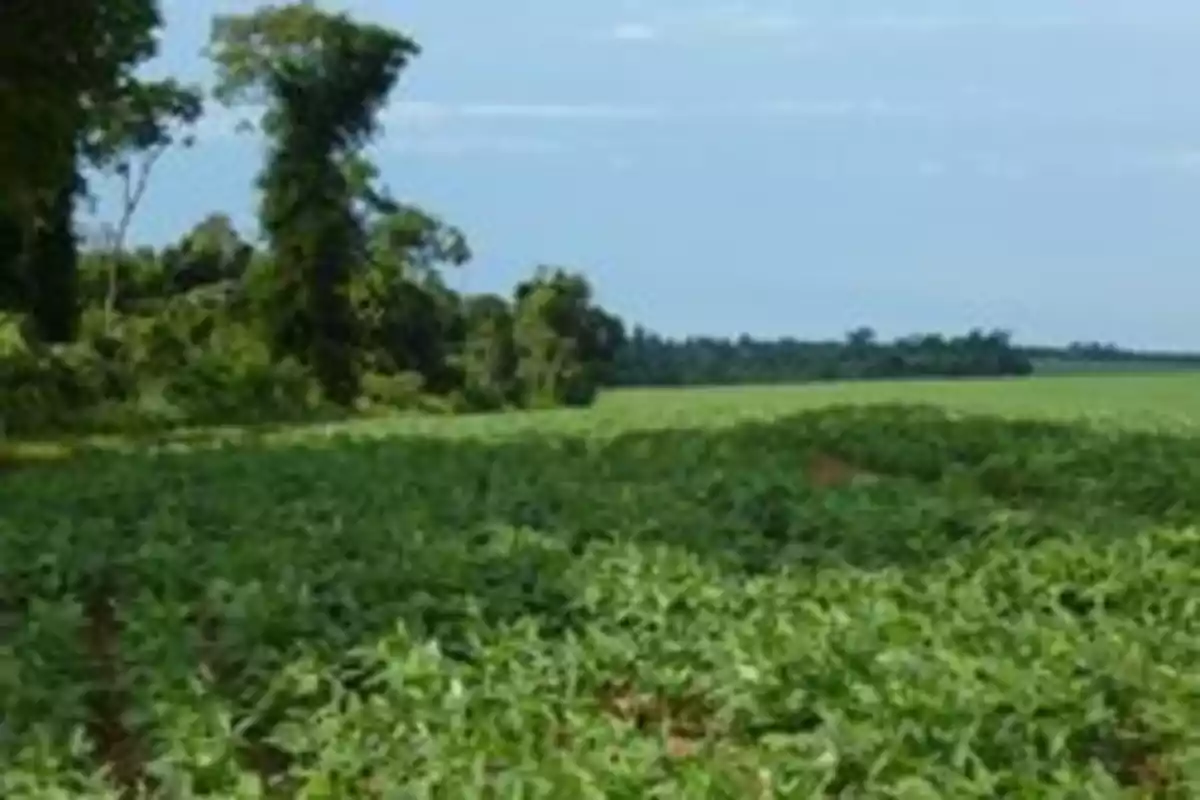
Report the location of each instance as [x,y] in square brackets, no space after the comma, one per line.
[323,78]
[125,139]
[212,252]
[410,319]
[564,343]
[67,74]
[489,356]
[58,58]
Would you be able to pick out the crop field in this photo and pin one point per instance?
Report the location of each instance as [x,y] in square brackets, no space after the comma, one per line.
[923,590]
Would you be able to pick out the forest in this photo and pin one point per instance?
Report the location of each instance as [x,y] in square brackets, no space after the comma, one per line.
[340,301]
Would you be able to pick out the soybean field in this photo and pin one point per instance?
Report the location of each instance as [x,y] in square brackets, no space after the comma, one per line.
[921,590]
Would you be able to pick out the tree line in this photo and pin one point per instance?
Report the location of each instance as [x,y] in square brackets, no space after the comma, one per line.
[648,359]
[342,302]
[652,360]
[1107,356]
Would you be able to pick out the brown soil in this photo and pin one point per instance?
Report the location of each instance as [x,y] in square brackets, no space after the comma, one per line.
[1139,765]
[269,762]
[1150,774]
[13,459]
[117,745]
[683,720]
[830,472]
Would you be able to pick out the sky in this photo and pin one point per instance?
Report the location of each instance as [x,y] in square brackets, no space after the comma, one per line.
[777,167]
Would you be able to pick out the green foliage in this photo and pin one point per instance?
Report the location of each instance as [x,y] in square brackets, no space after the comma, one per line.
[651,360]
[489,356]
[678,613]
[1082,357]
[180,367]
[69,96]
[559,339]
[142,117]
[193,334]
[61,63]
[408,319]
[212,252]
[351,290]
[891,601]
[51,270]
[53,389]
[324,78]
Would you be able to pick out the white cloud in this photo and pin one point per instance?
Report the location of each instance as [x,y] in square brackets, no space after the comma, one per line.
[835,109]
[633,32]
[428,118]
[1001,167]
[487,145]
[417,113]
[423,113]
[745,20]
[758,24]
[737,21]
[619,162]
[900,23]
[1188,162]
[1185,162]
[219,122]
[558,112]
[933,168]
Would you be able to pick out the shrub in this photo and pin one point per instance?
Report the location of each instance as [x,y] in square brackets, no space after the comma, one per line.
[58,388]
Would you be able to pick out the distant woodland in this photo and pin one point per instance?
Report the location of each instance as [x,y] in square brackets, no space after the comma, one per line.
[647,359]
[340,301]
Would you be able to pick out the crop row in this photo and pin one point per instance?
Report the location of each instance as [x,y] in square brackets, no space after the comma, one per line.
[1141,472]
[661,615]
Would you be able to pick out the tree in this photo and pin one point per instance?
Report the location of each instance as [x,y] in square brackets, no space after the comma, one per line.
[323,79]
[211,252]
[58,60]
[604,339]
[416,242]
[67,93]
[409,319]
[51,268]
[564,346]
[126,138]
[489,355]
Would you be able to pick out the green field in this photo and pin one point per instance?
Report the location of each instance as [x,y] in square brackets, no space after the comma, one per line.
[727,593]
[1155,401]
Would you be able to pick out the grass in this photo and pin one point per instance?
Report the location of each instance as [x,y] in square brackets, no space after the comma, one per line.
[719,593]
[1144,400]
[1052,366]
[1128,400]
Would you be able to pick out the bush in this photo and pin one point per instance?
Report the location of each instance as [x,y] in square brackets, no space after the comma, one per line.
[145,374]
[49,389]
[240,384]
[401,391]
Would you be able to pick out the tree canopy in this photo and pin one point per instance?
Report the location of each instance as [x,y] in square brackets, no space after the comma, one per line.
[341,302]
[62,61]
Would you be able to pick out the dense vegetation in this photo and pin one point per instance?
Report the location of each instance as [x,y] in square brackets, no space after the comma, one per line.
[650,360]
[1109,353]
[342,306]
[342,303]
[857,602]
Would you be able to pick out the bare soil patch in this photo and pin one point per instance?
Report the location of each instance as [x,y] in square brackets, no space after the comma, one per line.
[830,472]
[118,746]
[684,721]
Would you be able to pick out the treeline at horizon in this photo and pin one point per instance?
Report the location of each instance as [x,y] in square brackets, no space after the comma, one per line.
[344,304]
[648,359]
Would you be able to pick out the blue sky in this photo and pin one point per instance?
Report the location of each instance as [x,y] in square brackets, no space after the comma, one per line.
[788,168]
